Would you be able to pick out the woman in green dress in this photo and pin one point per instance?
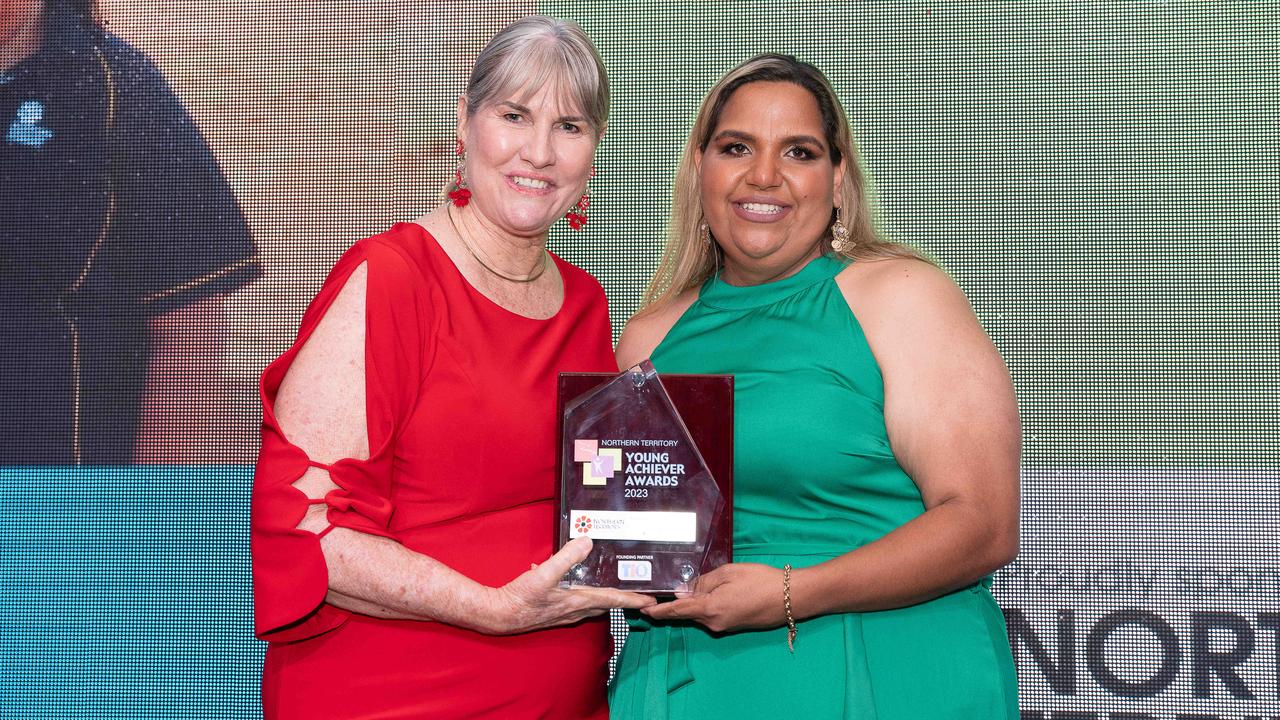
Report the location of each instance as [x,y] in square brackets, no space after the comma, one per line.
[876,437]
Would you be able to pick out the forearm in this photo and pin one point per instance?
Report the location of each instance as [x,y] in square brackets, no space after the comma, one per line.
[376,576]
[948,547]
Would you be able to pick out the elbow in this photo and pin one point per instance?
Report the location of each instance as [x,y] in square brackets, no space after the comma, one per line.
[1002,546]
[991,538]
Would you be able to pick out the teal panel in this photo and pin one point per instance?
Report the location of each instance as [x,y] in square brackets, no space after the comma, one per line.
[126,593]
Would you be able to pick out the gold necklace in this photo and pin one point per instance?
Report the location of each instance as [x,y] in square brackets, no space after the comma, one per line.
[533,275]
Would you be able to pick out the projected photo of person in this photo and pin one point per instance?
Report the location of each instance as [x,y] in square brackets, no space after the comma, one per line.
[402,501]
[119,237]
[876,437]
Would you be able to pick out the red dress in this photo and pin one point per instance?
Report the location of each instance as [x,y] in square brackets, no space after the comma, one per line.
[460,399]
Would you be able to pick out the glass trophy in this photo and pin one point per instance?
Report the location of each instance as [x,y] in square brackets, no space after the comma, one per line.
[646,471]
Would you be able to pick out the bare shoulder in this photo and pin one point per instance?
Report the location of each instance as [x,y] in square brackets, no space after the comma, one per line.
[646,330]
[900,286]
[321,401]
[913,313]
[905,301]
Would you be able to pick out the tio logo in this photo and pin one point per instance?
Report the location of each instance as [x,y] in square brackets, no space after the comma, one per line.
[635,570]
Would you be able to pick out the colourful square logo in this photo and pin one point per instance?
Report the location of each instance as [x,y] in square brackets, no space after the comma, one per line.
[584,450]
[598,465]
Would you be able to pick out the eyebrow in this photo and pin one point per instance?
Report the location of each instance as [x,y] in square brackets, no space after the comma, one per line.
[789,140]
[521,108]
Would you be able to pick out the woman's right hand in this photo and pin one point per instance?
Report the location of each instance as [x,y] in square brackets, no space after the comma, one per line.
[535,600]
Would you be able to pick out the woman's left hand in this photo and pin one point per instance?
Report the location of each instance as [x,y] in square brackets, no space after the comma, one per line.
[738,596]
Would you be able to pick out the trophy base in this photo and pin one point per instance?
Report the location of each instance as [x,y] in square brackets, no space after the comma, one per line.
[654,572]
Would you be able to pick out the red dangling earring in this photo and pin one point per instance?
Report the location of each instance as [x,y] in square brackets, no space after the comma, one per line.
[460,195]
[577,215]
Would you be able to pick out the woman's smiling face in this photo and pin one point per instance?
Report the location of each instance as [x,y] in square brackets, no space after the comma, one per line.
[528,160]
[767,181]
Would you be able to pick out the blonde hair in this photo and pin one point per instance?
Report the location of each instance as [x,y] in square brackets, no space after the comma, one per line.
[534,51]
[686,261]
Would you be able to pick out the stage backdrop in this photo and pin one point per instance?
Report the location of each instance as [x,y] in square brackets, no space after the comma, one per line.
[1099,177]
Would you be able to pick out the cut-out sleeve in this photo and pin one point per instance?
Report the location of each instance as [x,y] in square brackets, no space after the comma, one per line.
[290,577]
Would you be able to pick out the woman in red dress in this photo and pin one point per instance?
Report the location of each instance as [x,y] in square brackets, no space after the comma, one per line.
[403,495]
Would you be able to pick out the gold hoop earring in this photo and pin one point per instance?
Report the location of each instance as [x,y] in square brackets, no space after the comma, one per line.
[840,241]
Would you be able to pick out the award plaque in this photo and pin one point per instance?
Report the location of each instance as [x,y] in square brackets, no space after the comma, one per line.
[646,471]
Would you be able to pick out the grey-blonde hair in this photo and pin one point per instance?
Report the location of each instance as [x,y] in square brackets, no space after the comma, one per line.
[534,51]
[687,261]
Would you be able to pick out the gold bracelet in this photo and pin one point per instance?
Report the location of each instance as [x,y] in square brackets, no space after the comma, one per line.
[786,606]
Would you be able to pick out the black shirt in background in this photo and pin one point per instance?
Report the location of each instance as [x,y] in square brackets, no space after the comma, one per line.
[74,346]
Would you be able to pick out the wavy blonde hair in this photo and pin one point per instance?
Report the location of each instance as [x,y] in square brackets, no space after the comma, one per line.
[686,261]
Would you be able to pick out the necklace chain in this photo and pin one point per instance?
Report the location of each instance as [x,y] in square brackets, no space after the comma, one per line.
[533,275]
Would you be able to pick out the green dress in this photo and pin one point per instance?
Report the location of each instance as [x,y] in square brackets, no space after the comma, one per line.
[814,478]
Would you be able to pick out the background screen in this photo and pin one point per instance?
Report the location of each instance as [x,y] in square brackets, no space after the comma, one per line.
[1099,177]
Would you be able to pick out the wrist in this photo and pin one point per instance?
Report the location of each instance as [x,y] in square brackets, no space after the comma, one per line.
[788,616]
[480,608]
[802,596]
